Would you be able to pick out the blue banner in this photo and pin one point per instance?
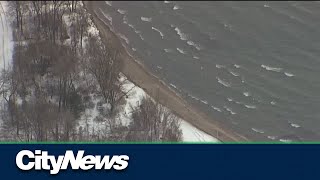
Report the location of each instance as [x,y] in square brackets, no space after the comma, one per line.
[160,161]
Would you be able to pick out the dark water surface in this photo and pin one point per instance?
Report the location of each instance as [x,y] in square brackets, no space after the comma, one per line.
[253,65]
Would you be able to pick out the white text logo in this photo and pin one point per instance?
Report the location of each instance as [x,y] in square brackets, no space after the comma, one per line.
[40,160]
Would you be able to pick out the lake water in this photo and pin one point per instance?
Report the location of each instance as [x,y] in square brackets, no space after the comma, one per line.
[252,65]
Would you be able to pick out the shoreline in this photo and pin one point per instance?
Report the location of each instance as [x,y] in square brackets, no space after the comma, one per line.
[137,73]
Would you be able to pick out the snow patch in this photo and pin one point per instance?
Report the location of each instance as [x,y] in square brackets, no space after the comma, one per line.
[192,134]
[146,19]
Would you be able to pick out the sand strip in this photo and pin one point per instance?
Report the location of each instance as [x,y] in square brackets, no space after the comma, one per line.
[141,76]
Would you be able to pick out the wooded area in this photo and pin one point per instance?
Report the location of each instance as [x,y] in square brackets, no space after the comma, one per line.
[60,67]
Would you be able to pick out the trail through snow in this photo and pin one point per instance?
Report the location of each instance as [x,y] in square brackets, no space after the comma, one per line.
[6,44]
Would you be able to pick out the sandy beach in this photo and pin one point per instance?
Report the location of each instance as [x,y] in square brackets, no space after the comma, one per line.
[143,78]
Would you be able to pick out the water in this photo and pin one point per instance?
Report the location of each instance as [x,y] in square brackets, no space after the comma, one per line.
[253,65]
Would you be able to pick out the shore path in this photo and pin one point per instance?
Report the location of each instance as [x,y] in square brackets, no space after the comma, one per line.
[142,77]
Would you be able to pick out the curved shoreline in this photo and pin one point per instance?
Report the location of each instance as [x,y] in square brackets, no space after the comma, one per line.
[156,88]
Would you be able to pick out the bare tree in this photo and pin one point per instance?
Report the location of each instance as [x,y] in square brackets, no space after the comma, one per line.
[18,10]
[105,66]
[153,122]
[82,23]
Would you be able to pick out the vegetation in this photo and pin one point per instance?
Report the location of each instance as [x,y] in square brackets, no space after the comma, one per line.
[60,68]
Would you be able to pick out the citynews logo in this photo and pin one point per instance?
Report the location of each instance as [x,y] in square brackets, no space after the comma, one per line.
[40,160]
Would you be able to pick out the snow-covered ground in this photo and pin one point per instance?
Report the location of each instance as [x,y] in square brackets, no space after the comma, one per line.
[6,43]
[190,133]
[135,95]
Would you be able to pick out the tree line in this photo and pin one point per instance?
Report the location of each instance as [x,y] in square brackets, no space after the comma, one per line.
[58,67]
